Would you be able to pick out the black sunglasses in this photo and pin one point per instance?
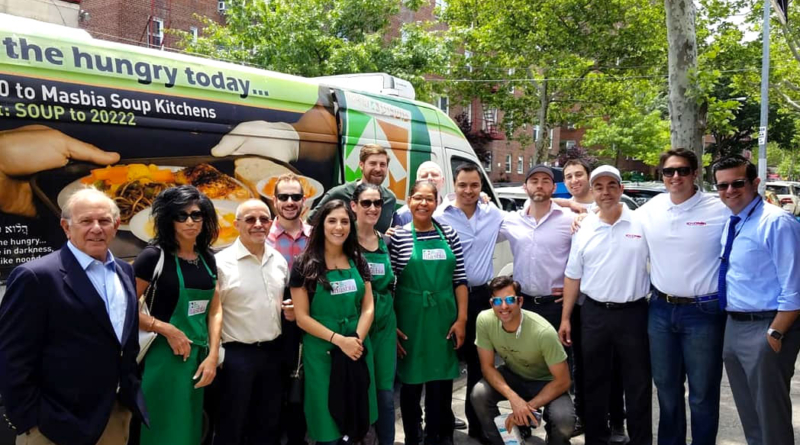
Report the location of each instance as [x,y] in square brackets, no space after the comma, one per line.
[366,203]
[296,197]
[196,216]
[670,171]
[737,184]
[264,220]
[509,299]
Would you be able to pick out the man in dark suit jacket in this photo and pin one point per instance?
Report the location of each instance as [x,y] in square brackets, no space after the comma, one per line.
[69,336]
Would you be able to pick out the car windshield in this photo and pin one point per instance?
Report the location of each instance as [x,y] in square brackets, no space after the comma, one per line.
[778,189]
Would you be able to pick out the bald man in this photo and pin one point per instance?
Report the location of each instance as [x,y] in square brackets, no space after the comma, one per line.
[252,277]
[427,171]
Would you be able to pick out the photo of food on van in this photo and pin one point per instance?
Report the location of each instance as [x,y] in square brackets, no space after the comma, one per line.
[142,227]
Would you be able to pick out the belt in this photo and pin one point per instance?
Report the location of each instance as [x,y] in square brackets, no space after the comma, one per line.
[753,316]
[259,344]
[672,299]
[610,305]
[541,299]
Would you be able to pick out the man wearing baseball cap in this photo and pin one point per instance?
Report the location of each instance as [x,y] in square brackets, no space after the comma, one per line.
[608,263]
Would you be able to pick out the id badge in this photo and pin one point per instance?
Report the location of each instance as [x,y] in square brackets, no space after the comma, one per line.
[197,307]
[377,269]
[433,254]
[343,287]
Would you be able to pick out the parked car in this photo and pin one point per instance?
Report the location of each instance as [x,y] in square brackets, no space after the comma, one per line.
[787,194]
[642,193]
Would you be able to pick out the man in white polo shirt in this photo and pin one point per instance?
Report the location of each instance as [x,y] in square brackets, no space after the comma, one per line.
[252,277]
[608,263]
[686,325]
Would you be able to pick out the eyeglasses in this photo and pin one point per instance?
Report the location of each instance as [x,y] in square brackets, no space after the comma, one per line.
[423,198]
[296,197]
[737,184]
[509,300]
[670,171]
[264,220]
[366,203]
[196,216]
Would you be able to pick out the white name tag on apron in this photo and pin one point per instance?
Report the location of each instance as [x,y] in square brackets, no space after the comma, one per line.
[343,287]
[198,307]
[433,254]
[377,269]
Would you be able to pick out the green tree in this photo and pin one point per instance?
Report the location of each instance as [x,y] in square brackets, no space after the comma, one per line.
[632,133]
[325,37]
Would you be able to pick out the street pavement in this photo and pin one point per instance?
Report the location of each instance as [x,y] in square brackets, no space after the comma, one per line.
[730,430]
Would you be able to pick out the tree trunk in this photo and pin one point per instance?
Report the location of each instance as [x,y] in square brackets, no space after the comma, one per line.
[540,150]
[686,122]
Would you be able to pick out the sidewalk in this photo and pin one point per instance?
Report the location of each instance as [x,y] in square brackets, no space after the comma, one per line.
[730,430]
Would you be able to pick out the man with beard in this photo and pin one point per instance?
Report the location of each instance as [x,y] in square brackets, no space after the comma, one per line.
[289,236]
[374,164]
[252,279]
[540,236]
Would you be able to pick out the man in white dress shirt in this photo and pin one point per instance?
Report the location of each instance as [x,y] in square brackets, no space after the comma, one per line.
[252,277]
[608,263]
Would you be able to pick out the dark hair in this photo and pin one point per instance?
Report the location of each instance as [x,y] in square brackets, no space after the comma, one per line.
[734,161]
[503,281]
[689,155]
[166,207]
[424,183]
[363,187]
[312,260]
[578,161]
[466,167]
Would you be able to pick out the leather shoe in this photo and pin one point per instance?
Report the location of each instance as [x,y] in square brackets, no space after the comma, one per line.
[460,424]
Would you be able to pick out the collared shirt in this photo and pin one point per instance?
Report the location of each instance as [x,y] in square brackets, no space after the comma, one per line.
[764,269]
[107,283]
[345,193]
[286,244]
[684,254]
[478,236]
[540,248]
[610,259]
[251,291]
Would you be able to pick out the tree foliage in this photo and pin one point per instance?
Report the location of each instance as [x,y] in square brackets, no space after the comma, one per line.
[324,37]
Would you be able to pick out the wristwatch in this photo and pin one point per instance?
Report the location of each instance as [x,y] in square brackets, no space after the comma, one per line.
[777,335]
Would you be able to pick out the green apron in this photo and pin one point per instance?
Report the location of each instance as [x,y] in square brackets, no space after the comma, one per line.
[337,310]
[174,406]
[383,333]
[426,309]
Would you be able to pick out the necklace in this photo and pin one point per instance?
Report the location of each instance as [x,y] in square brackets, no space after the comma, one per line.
[194,262]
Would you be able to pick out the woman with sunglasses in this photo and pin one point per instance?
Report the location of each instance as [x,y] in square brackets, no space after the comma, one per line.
[332,296]
[185,313]
[431,308]
[366,204]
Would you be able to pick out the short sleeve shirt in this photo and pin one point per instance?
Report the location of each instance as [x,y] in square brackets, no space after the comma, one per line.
[528,355]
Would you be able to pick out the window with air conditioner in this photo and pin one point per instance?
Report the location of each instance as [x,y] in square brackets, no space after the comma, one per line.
[156,32]
[520,165]
[570,144]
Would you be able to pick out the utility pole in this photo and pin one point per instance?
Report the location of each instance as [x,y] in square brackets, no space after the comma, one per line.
[762,129]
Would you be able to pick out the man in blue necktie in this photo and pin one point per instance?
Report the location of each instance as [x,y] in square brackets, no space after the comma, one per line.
[760,288]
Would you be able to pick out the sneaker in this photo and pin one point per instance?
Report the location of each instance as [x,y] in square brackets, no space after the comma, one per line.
[618,435]
[578,430]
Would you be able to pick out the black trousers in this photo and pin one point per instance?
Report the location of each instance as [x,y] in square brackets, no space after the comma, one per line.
[249,404]
[439,420]
[616,403]
[293,419]
[478,302]
[617,336]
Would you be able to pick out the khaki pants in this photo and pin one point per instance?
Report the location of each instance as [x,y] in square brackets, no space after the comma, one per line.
[116,432]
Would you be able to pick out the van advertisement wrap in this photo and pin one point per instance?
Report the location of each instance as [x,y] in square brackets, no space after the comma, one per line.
[132,122]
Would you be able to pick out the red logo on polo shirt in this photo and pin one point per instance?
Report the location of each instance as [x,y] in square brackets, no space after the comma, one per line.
[696,223]
[632,235]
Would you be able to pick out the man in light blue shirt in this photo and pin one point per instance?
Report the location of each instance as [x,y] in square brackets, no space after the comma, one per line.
[478,225]
[759,286]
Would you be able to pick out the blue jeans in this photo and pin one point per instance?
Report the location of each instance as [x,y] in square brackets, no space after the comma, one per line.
[686,341]
[384,427]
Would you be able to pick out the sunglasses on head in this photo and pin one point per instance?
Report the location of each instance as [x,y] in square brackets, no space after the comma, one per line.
[366,203]
[296,197]
[196,216]
[510,300]
[737,184]
[670,171]
[264,220]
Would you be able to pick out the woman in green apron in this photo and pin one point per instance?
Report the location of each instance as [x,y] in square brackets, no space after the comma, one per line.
[366,204]
[184,312]
[332,297]
[431,307]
